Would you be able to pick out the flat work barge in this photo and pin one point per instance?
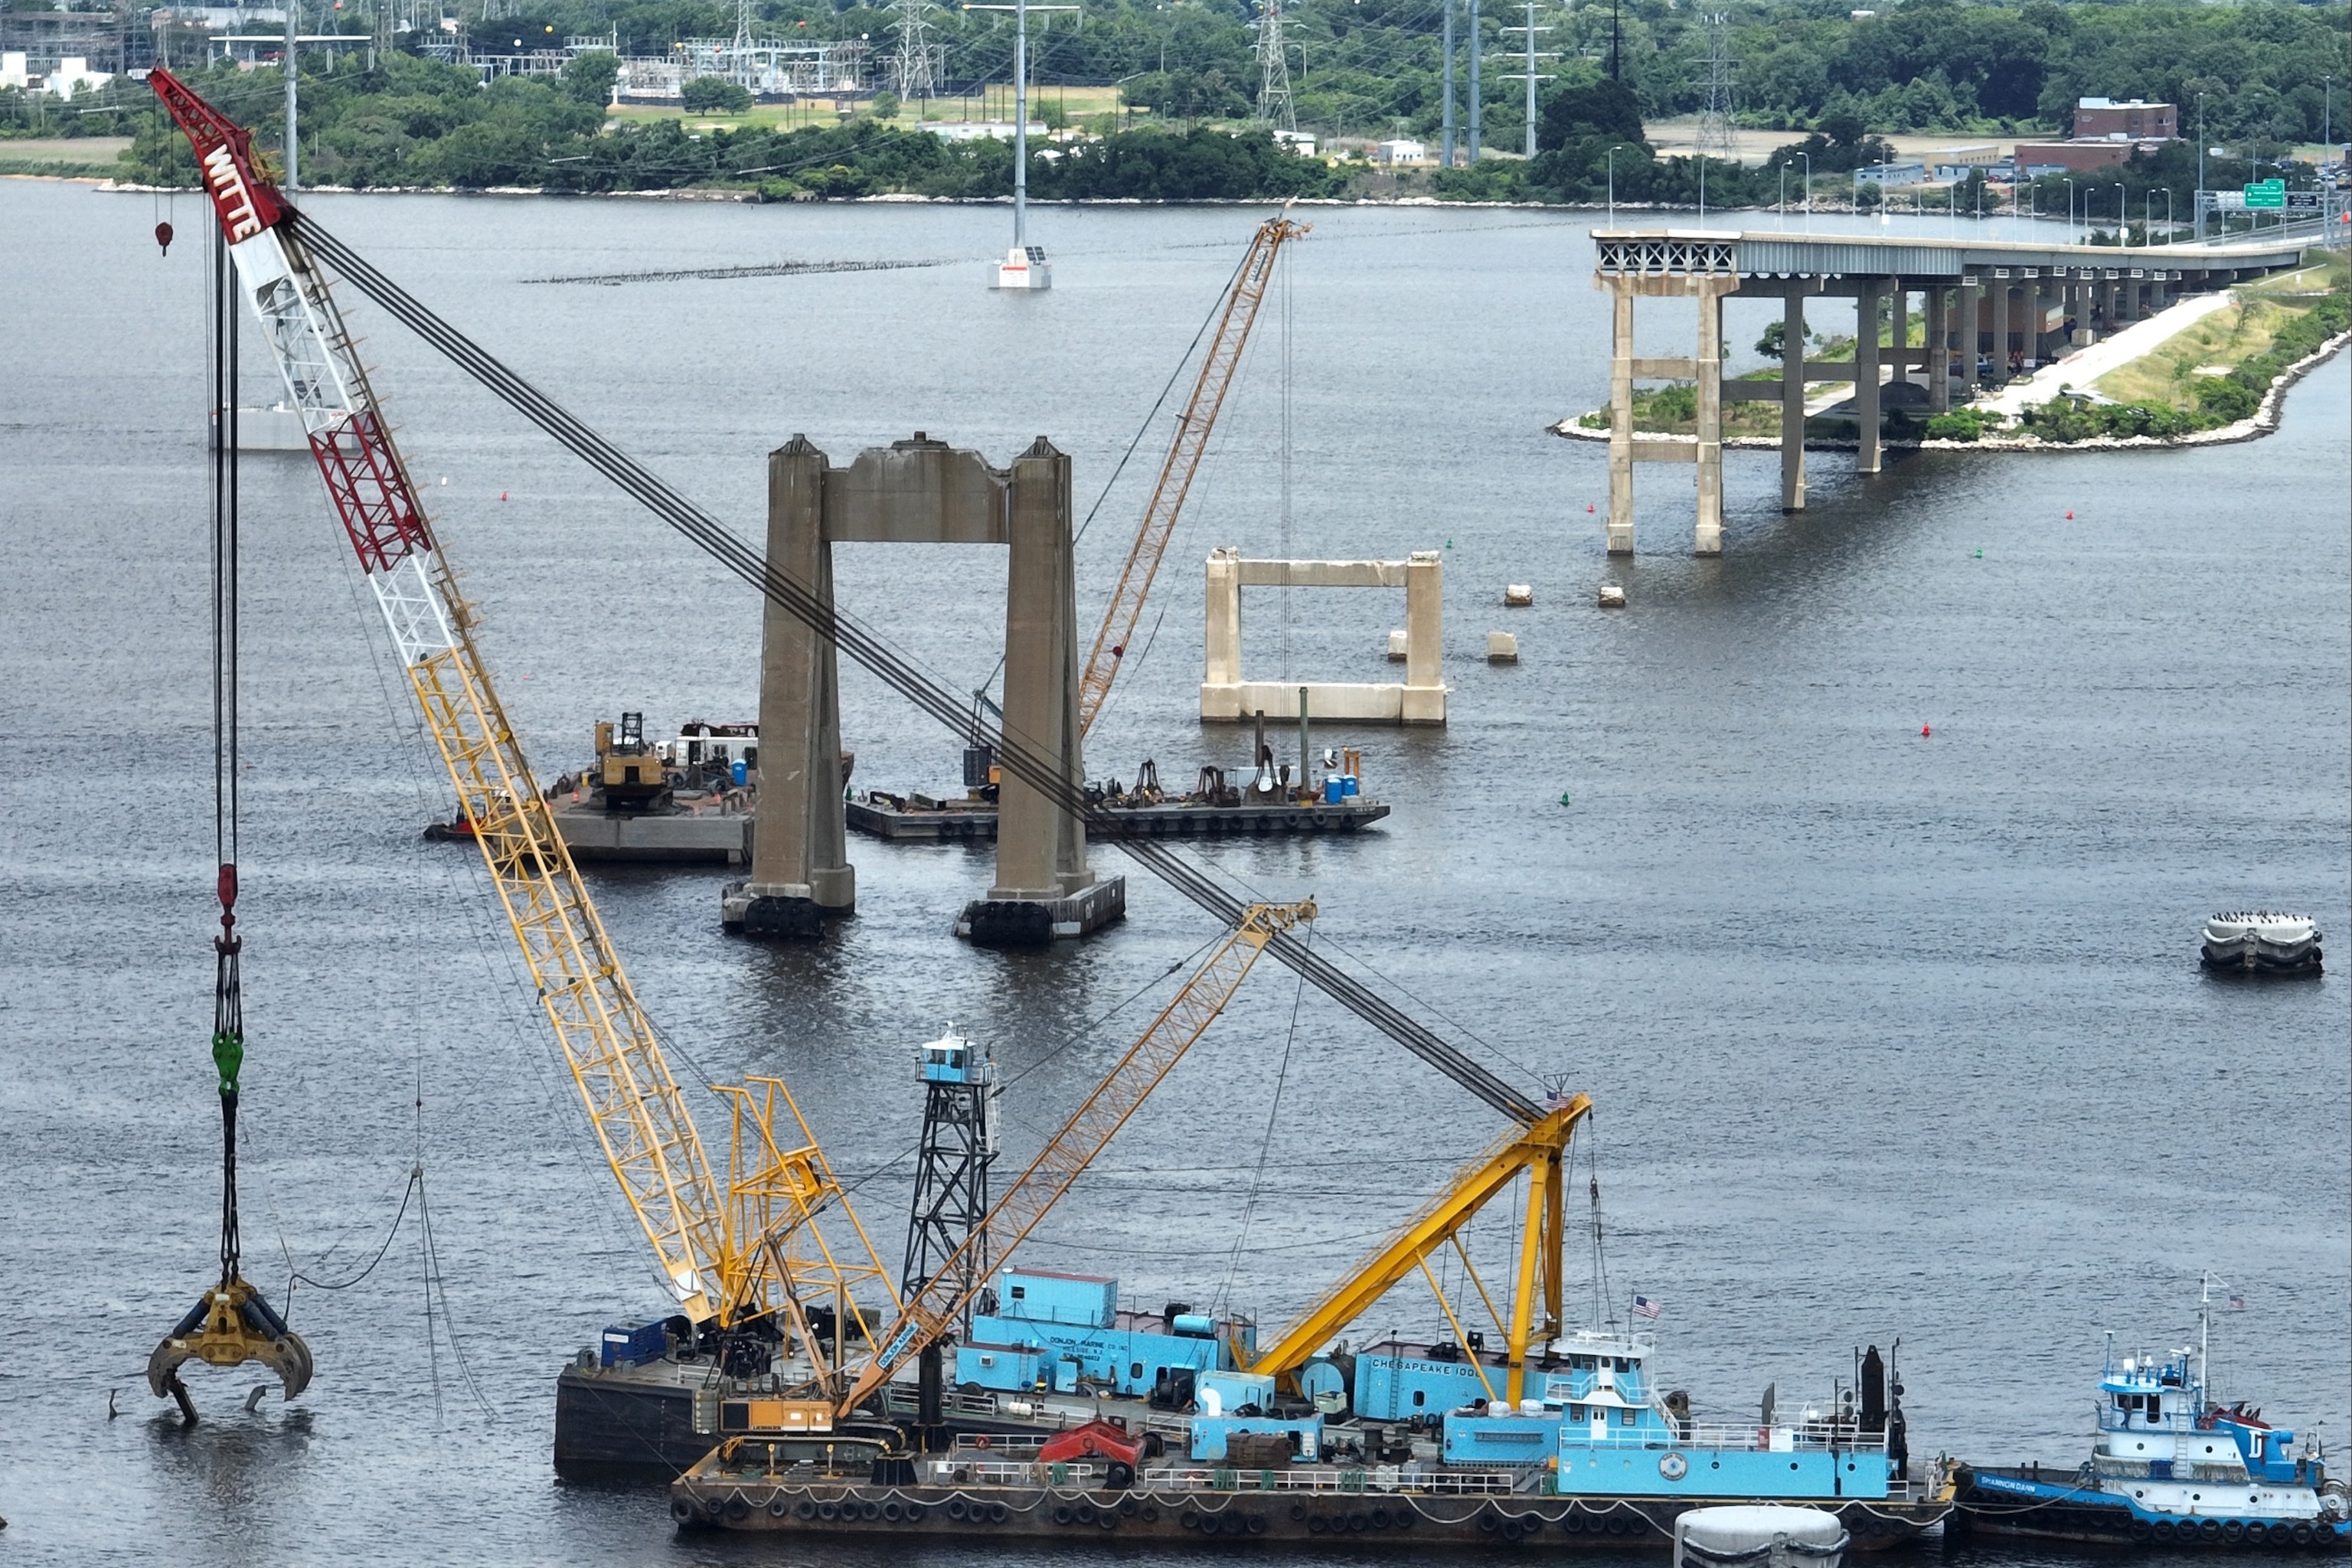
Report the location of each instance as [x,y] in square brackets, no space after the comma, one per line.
[976,1493]
[919,819]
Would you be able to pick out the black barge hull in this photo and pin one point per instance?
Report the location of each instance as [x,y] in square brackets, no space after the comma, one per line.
[1355,1519]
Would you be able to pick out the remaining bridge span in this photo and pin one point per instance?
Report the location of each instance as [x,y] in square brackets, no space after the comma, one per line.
[1990,308]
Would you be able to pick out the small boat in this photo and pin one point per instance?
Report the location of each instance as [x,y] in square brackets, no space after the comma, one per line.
[2168,1468]
[2261,942]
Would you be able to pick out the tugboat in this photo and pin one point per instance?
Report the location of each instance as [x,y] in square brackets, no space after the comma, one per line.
[2171,1468]
[2261,942]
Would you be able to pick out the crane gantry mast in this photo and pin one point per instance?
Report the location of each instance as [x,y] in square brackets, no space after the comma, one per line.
[932,1310]
[1193,428]
[728,1252]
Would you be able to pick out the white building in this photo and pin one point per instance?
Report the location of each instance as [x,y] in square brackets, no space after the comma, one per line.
[1395,153]
[73,75]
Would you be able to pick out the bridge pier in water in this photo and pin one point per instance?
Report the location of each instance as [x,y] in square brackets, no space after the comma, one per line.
[1977,300]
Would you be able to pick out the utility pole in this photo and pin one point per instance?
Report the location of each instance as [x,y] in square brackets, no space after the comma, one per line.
[1274,104]
[1529,73]
[2200,166]
[1477,109]
[1616,41]
[1445,146]
[293,16]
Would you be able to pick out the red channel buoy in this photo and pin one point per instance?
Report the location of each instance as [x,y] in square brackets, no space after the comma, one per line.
[1924,730]
[2070,517]
[164,237]
[502,495]
[1587,506]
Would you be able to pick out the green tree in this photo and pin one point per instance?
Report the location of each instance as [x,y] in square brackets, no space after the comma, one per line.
[589,78]
[714,95]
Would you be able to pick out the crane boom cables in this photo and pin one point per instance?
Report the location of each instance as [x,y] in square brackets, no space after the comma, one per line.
[1017,754]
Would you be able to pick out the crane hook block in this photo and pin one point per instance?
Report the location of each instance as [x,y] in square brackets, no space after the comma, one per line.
[228,1326]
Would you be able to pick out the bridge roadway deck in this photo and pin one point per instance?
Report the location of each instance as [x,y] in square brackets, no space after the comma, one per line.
[1993,310]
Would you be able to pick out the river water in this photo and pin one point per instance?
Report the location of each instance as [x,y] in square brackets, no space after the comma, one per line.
[1890,1034]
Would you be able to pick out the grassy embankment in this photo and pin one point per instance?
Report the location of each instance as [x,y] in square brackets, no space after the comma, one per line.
[75,157]
[2229,338]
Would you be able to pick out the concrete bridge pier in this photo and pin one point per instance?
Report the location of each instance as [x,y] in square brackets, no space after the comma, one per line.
[1707,288]
[1867,456]
[1792,400]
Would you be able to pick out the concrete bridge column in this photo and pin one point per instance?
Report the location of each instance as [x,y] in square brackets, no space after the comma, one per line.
[1898,336]
[2160,293]
[799,864]
[1971,333]
[2000,287]
[1865,375]
[2085,295]
[1939,351]
[1792,402]
[1621,417]
[1707,538]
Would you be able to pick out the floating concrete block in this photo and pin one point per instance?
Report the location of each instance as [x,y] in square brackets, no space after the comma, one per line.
[1518,596]
[1502,648]
[1400,643]
[1613,598]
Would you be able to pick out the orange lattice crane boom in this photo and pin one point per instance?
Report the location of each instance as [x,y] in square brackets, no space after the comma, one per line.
[1200,417]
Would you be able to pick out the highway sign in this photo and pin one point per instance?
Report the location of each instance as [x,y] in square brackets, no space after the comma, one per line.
[2304,200]
[2229,201]
[2271,195]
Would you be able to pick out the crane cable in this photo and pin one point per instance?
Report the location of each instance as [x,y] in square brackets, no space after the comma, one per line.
[1019,755]
[228,1004]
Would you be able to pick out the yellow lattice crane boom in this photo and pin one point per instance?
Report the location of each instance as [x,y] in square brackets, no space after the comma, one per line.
[932,1311]
[728,1254]
[1184,460]
[1538,1152]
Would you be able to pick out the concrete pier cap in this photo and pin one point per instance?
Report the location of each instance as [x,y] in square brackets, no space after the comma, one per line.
[1420,699]
[921,492]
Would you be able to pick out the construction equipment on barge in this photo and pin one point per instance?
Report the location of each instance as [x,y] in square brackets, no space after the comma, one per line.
[771,1256]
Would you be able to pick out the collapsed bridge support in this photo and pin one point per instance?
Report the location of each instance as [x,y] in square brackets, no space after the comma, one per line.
[920,492]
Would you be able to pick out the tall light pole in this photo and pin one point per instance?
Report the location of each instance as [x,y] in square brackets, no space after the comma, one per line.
[2123,215]
[1807,157]
[2070,212]
[2327,126]
[293,10]
[1477,109]
[2200,166]
[1612,185]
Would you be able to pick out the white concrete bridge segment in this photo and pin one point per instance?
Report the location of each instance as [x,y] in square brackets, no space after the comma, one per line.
[1994,304]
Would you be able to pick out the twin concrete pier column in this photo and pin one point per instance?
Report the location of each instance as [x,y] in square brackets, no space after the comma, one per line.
[1898,335]
[2000,329]
[1972,333]
[1707,286]
[920,492]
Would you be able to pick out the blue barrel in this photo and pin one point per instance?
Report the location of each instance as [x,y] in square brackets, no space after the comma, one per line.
[742,771]
[1348,786]
[1335,789]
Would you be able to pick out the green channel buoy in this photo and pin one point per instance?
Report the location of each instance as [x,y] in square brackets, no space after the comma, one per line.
[1980,554]
[1563,797]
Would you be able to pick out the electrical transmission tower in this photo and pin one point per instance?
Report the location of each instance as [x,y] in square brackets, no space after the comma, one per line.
[1274,105]
[1716,137]
[914,75]
[1530,75]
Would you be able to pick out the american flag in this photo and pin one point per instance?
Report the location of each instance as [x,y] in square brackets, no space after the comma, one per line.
[2237,1302]
[1647,1306]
